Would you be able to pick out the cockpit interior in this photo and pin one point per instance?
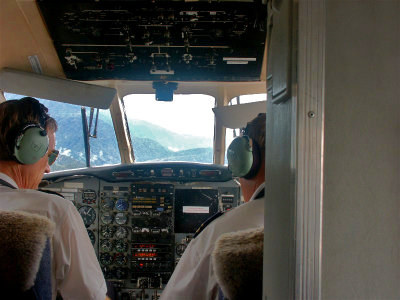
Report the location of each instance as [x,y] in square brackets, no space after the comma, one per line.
[148,94]
[140,211]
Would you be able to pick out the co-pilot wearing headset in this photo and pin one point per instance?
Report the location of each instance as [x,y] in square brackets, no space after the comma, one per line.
[27,141]
[194,277]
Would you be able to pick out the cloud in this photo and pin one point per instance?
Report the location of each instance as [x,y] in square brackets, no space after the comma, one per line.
[173,149]
[65,152]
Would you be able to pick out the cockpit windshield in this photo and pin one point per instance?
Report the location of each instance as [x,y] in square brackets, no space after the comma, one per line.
[178,130]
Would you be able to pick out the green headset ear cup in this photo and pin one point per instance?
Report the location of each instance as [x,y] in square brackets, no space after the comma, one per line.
[31,144]
[240,156]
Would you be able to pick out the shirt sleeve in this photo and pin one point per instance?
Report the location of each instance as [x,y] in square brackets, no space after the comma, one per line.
[77,269]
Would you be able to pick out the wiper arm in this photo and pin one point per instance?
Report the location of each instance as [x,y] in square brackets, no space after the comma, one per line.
[94,135]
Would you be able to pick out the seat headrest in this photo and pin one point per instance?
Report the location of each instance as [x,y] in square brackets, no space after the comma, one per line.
[23,239]
[237,260]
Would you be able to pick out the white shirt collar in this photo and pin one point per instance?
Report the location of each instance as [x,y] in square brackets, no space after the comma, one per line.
[260,187]
[8,179]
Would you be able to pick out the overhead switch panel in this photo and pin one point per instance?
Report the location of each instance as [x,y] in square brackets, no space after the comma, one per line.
[158,40]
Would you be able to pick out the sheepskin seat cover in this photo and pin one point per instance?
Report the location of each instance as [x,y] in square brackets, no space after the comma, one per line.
[23,239]
[238,263]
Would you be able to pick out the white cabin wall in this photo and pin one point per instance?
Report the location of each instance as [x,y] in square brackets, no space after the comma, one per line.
[361,205]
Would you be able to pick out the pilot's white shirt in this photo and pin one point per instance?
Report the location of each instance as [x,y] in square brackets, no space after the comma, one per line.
[76,273]
[194,276]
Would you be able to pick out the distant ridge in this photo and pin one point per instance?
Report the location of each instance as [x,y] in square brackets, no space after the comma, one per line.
[150,142]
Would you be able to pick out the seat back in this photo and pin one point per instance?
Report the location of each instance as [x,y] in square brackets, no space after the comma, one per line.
[25,256]
[237,260]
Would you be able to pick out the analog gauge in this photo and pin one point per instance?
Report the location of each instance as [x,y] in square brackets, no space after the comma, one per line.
[121,246]
[88,215]
[106,231]
[106,259]
[121,218]
[108,272]
[120,259]
[89,196]
[180,248]
[107,218]
[106,245]
[121,273]
[121,204]
[121,232]
[92,236]
[107,204]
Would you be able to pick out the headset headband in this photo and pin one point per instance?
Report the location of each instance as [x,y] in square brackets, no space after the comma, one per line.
[39,109]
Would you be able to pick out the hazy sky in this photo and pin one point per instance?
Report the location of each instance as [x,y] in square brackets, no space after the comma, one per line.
[186,114]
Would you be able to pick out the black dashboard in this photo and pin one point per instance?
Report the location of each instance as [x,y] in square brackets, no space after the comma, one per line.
[141,217]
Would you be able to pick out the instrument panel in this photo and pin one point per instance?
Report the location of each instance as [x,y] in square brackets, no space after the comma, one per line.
[140,227]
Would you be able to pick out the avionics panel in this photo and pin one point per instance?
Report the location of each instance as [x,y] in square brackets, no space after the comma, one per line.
[140,228]
[152,258]
[193,207]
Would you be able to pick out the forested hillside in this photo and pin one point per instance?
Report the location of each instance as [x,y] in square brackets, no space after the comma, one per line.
[150,142]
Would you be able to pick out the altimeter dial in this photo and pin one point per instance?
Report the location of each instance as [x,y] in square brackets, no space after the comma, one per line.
[106,231]
[107,204]
[120,259]
[106,218]
[121,232]
[121,246]
[106,245]
[106,259]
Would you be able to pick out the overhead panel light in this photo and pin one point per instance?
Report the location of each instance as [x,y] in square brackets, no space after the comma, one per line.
[239,58]
[236,62]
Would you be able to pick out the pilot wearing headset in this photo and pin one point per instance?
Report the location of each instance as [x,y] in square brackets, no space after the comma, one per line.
[27,141]
[194,277]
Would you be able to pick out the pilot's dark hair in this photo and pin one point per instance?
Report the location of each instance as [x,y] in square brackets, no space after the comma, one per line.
[255,129]
[14,114]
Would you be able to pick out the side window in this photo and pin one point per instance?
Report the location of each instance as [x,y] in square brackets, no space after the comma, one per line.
[231,133]
[69,137]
